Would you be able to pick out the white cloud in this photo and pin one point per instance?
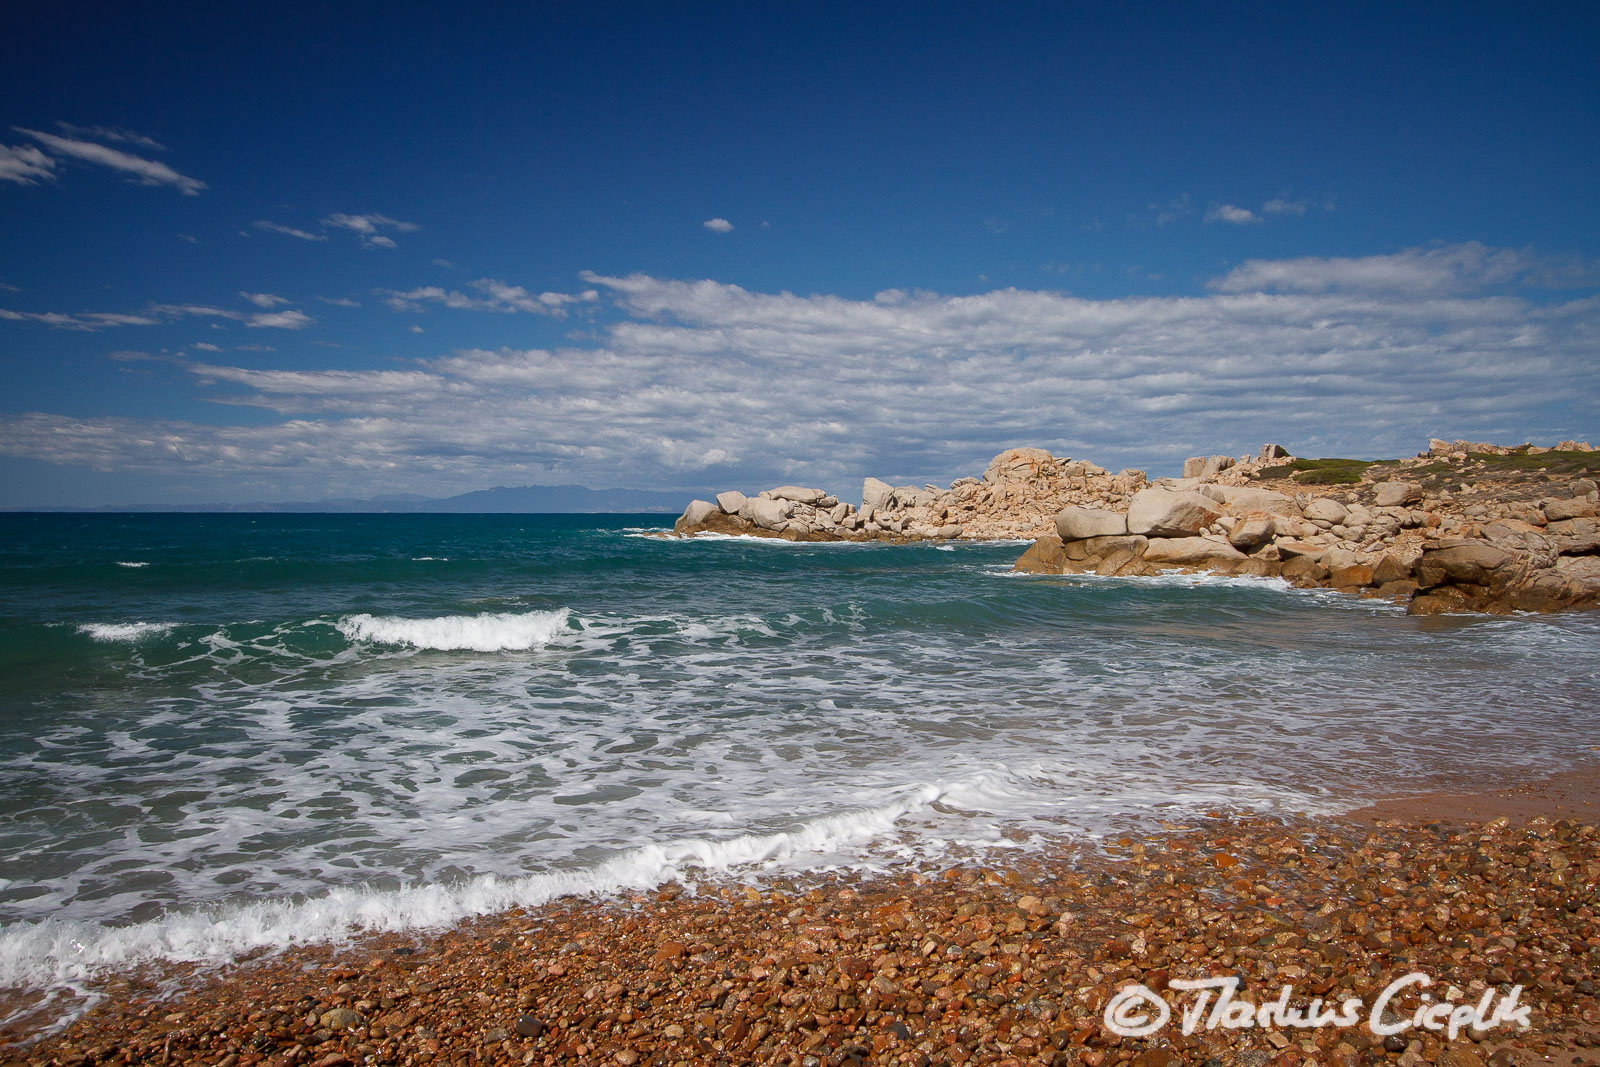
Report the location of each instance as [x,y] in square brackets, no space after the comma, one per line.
[369,228]
[155,314]
[718,225]
[497,296]
[263,300]
[148,171]
[205,346]
[704,382]
[339,301]
[1281,206]
[1229,213]
[1436,270]
[106,133]
[25,165]
[86,321]
[290,231]
[1173,210]
[279,320]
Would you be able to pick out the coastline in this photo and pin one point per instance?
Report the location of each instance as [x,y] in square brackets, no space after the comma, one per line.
[1003,963]
[1463,527]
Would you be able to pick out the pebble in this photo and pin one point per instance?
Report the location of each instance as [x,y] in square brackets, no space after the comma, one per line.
[974,964]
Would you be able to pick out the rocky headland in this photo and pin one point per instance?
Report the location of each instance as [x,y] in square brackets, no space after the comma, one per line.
[1462,526]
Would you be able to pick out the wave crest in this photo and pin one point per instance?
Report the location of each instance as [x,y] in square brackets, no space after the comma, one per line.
[494,632]
[124,631]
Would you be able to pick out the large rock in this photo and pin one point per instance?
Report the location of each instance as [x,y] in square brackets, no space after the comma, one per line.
[1047,555]
[1271,452]
[1019,465]
[1326,509]
[1584,571]
[875,494]
[1242,499]
[731,501]
[1160,512]
[1561,510]
[1093,548]
[1252,531]
[1395,494]
[767,513]
[694,515]
[799,494]
[1292,548]
[1469,564]
[1076,523]
[1190,551]
[1206,466]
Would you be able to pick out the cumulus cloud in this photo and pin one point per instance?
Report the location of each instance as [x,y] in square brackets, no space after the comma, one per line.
[290,231]
[370,228]
[496,296]
[1229,213]
[25,165]
[263,300]
[146,171]
[339,301]
[718,225]
[705,382]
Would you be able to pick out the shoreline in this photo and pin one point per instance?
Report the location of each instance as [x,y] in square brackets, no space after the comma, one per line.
[1479,890]
[1462,527]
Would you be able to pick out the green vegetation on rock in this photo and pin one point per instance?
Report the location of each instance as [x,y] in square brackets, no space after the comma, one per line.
[1320,471]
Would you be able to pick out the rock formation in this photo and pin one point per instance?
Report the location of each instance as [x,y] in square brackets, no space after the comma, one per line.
[1463,526]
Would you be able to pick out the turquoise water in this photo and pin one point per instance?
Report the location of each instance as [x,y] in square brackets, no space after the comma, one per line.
[219,732]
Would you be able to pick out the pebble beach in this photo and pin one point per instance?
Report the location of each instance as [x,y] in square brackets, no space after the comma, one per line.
[1007,964]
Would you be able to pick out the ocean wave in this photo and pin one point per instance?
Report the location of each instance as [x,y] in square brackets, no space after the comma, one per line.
[132,563]
[124,631]
[63,953]
[495,632]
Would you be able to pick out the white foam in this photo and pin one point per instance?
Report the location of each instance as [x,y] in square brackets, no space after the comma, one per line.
[1168,579]
[495,632]
[755,539]
[55,952]
[132,563]
[124,631]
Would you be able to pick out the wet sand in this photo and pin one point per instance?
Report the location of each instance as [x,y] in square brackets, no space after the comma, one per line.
[1004,965]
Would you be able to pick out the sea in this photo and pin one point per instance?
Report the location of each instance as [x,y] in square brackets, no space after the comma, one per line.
[223,733]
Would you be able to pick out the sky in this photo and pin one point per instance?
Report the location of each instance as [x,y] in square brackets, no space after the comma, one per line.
[302,251]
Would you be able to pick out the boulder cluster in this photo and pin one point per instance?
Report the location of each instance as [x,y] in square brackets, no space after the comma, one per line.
[1016,498]
[1498,543]
[1463,526]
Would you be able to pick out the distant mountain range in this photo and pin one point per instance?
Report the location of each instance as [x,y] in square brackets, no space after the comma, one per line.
[524,499]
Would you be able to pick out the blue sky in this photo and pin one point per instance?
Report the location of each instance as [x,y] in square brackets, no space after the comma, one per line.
[296,253]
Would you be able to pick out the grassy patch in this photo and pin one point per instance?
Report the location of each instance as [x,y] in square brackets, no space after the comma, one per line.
[1572,464]
[1320,471]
